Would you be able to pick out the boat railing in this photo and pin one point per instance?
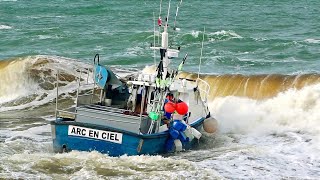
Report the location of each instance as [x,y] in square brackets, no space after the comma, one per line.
[87,93]
[88,110]
[204,89]
[105,108]
[100,118]
[109,112]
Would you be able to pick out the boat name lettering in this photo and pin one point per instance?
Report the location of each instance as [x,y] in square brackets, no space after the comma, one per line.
[95,134]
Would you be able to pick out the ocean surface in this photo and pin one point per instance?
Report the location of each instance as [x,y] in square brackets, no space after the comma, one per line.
[261,59]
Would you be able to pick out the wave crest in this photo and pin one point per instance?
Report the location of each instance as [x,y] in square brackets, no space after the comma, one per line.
[253,86]
[30,81]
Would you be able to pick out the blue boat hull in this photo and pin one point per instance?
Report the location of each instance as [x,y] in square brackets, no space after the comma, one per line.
[130,144]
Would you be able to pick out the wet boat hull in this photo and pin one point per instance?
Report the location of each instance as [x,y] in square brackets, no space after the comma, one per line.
[71,135]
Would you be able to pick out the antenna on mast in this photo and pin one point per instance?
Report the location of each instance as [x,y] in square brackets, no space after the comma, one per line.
[175,18]
[154,38]
[204,30]
[159,21]
[160,8]
[167,18]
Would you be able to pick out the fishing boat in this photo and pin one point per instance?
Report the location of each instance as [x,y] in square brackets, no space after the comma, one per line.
[151,114]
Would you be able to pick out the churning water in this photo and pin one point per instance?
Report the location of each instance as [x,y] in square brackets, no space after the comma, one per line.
[261,59]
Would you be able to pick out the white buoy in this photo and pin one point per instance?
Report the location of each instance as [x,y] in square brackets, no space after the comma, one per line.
[178,145]
[163,128]
[196,133]
[188,133]
[210,125]
[177,116]
[108,102]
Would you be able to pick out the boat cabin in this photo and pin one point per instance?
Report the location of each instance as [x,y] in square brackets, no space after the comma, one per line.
[128,105]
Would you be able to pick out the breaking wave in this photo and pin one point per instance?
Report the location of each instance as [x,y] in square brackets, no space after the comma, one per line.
[30,81]
[254,86]
[265,104]
[258,103]
[260,117]
[293,110]
[214,36]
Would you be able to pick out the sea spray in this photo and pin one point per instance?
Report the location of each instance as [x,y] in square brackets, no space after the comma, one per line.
[290,111]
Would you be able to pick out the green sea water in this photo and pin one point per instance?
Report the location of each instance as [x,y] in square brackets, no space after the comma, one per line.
[252,36]
[262,58]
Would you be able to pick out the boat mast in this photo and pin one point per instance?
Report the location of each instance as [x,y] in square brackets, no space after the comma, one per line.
[204,31]
[154,39]
[159,19]
[57,87]
[164,45]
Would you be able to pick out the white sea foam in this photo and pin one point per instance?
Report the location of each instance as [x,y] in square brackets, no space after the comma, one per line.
[130,52]
[274,138]
[47,37]
[230,33]
[93,165]
[134,51]
[223,35]
[261,39]
[312,41]
[195,33]
[5,27]
[293,110]
[259,157]
[35,133]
